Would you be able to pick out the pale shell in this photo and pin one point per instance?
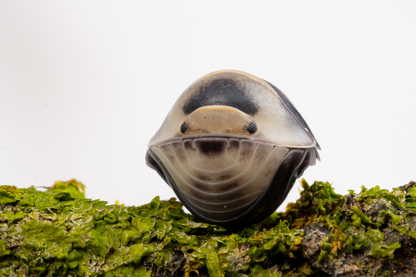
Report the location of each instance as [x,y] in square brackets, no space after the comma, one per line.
[231,148]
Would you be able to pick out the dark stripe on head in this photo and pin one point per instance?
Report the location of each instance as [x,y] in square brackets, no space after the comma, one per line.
[225,92]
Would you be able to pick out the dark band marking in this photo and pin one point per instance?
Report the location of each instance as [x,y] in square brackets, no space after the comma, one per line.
[210,147]
[225,92]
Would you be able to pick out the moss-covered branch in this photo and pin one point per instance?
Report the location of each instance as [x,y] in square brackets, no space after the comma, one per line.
[61,233]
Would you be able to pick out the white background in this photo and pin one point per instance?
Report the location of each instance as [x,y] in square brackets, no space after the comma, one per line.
[84,85]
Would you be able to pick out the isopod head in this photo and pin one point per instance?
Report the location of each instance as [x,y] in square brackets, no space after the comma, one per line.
[231,148]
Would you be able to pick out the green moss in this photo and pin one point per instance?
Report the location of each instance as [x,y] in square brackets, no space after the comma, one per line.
[58,232]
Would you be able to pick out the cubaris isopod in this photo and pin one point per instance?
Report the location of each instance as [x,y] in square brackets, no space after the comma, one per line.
[231,148]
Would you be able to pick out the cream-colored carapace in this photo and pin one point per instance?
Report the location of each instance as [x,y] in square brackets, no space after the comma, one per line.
[231,148]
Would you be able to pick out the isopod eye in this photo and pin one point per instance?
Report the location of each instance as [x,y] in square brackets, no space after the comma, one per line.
[252,128]
[184,127]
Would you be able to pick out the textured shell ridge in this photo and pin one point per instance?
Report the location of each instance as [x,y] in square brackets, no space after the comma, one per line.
[240,183]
